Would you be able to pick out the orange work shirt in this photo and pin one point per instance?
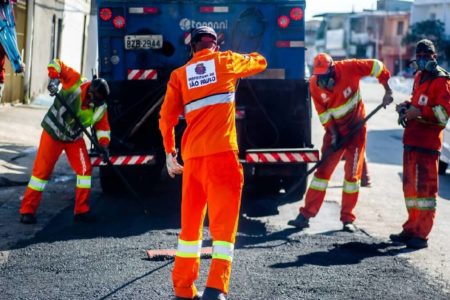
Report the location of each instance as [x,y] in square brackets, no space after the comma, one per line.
[342,107]
[432,97]
[203,91]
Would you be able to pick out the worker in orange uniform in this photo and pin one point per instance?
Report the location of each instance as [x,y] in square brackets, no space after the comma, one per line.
[203,91]
[424,118]
[335,91]
[61,133]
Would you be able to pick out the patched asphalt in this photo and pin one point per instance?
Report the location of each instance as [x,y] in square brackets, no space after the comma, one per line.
[107,259]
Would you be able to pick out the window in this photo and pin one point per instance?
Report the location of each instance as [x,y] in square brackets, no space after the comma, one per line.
[400,27]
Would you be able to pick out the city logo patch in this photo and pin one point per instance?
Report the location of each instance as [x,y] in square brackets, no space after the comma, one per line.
[324,97]
[423,100]
[201,73]
[347,92]
[200,69]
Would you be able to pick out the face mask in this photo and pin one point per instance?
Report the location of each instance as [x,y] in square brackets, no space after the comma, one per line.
[326,81]
[425,64]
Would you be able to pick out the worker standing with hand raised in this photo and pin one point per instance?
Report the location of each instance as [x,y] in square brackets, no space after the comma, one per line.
[203,91]
[334,89]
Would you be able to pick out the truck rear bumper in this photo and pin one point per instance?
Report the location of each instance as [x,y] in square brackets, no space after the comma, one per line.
[281,156]
[124,160]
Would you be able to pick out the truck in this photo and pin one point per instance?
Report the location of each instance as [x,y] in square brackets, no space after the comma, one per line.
[141,42]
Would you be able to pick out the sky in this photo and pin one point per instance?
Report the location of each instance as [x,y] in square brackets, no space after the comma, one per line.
[314,7]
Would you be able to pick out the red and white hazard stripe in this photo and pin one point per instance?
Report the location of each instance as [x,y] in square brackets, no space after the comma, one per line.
[125,160]
[290,44]
[142,74]
[187,38]
[214,9]
[282,157]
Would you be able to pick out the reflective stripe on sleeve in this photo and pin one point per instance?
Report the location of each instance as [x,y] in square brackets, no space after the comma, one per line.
[83,182]
[54,64]
[441,114]
[376,68]
[189,249]
[223,250]
[325,117]
[37,184]
[98,114]
[351,187]
[103,134]
[211,100]
[318,184]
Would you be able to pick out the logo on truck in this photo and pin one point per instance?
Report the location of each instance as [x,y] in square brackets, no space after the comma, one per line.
[187,24]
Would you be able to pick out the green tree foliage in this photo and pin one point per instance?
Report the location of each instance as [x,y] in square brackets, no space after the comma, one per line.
[433,30]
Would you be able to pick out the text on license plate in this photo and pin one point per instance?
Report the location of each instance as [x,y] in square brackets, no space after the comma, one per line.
[143,41]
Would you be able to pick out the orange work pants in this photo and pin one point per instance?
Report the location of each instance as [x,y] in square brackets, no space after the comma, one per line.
[420,188]
[213,181]
[353,152]
[47,155]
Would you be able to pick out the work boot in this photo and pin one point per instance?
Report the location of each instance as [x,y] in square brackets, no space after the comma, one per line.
[401,237]
[417,243]
[213,294]
[300,222]
[86,217]
[349,227]
[28,219]
[198,296]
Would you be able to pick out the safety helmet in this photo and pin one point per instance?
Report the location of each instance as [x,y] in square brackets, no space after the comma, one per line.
[100,88]
[199,32]
[322,64]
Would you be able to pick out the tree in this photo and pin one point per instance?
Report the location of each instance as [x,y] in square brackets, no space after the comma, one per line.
[433,30]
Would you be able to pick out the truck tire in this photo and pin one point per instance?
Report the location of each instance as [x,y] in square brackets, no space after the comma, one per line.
[266,185]
[295,188]
[139,177]
[442,167]
[109,181]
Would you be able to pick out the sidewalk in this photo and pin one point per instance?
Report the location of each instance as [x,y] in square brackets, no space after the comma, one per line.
[20,132]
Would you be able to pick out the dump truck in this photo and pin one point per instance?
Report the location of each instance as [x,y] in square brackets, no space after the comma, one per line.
[141,42]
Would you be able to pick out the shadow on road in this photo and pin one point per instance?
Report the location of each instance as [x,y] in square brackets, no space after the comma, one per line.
[343,254]
[383,142]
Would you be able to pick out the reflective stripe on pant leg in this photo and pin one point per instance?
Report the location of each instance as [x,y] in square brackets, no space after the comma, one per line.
[351,187]
[83,182]
[47,154]
[427,191]
[193,208]
[410,190]
[80,162]
[189,249]
[37,184]
[314,197]
[224,179]
[223,250]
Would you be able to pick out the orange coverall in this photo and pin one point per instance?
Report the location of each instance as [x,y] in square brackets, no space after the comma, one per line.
[342,109]
[422,141]
[204,91]
[50,148]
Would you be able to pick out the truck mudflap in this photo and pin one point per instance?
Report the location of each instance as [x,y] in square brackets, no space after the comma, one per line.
[125,160]
[282,156]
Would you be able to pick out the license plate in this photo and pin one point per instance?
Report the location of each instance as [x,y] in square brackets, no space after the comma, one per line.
[143,42]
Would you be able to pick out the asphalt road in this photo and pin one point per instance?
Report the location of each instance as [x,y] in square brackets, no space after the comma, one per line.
[59,259]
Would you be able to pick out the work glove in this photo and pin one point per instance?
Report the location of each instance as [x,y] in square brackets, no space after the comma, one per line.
[335,139]
[401,110]
[105,152]
[173,167]
[53,86]
[387,98]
